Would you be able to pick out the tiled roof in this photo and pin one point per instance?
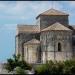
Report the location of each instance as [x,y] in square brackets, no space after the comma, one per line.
[33,41]
[56,26]
[28,28]
[53,12]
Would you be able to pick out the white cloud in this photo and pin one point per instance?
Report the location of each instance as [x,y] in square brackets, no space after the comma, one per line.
[70,7]
[26,8]
[71,3]
[8,27]
[42,6]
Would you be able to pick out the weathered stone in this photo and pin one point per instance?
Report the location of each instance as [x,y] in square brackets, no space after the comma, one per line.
[56,38]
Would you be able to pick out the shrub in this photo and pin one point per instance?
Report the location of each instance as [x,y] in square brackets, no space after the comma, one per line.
[69,67]
[19,70]
[41,70]
[15,61]
[56,68]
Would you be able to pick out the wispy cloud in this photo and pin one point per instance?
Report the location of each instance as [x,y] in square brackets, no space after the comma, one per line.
[71,3]
[17,12]
[24,9]
[9,27]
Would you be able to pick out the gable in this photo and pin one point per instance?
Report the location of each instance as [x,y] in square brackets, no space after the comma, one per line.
[56,26]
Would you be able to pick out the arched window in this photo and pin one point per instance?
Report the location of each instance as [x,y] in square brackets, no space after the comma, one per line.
[59,47]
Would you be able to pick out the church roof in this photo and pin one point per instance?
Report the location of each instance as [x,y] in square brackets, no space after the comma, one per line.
[28,28]
[33,41]
[56,26]
[53,12]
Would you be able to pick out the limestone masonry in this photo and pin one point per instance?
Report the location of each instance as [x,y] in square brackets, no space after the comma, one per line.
[51,39]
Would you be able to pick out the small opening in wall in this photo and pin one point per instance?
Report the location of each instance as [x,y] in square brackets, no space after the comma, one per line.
[59,47]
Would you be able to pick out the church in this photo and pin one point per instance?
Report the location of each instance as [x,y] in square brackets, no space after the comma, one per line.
[52,38]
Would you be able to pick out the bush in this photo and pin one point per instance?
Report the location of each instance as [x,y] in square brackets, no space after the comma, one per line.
[69,67]
[25,65]
[19,70]
[56,68]
[16,62]
[41,70]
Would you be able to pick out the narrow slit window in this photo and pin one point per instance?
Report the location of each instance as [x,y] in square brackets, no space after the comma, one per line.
[59,47]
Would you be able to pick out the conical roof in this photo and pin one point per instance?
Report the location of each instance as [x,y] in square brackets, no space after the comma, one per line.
[53,12]
[56,26]
[33,41]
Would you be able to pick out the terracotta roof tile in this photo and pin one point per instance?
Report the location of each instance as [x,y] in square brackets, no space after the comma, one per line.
[56,26]
[52,12]
[28,28]
[33,41]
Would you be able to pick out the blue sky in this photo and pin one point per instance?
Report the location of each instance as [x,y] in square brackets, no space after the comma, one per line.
[24,12]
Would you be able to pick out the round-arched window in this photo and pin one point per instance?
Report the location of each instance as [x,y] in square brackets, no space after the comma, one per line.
[59,47]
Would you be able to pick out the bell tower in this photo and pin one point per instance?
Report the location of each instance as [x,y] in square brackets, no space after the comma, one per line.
[50,17]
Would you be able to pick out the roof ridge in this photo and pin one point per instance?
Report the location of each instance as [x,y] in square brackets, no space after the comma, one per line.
[53,12]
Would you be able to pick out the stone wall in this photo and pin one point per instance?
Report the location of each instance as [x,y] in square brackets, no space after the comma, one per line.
[22,38]
[31,53]
[49,44]
[46,21]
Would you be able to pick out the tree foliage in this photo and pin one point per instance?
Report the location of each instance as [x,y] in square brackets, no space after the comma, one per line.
[15,61]
[56,68]
[19,70]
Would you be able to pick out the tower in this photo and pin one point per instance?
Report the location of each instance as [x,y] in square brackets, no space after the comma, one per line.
[50,17]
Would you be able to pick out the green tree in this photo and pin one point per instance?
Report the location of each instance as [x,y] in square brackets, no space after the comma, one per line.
[56,68]
[15,61]
[19,70]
